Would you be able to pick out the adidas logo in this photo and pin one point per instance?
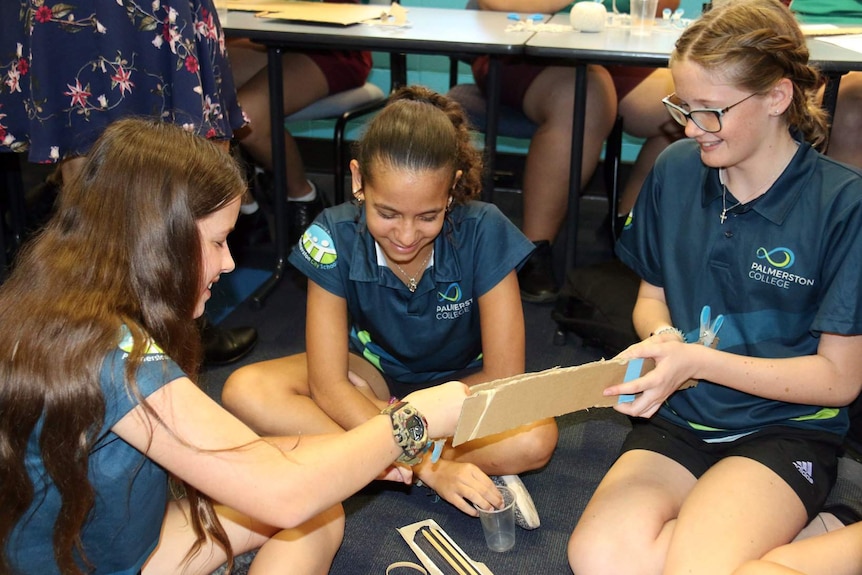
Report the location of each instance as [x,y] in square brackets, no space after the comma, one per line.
[806,469]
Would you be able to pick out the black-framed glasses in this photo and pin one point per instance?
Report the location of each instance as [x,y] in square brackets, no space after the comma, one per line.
[707,119]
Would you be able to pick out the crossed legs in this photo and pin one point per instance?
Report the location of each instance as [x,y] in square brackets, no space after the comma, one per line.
[650,516]
[308,549]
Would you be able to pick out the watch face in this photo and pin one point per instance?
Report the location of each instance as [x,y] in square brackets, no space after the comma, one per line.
[415,428]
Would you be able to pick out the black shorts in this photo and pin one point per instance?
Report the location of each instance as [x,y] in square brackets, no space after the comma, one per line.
[806,460]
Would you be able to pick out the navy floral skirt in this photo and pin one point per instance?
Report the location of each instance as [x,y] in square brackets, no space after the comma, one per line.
[69,68]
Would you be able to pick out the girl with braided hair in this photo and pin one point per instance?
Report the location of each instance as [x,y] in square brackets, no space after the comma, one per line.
[412,284]
[747,242]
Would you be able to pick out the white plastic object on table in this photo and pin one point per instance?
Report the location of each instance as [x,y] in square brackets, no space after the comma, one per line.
[588,16]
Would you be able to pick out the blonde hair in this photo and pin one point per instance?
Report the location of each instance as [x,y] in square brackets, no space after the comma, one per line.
[753,44]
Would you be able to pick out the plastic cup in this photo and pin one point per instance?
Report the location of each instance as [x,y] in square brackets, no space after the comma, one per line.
[643,16]
[499,524]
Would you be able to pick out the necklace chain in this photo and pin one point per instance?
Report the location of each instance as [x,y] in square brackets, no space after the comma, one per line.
[413,281]
[724,208]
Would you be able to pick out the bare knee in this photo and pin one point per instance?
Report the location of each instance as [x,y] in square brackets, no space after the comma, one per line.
[598,552]
[237,388]
[251,387]
[537,445]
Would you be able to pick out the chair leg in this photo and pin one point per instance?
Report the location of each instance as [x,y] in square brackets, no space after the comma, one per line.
[613,157]
[338,168]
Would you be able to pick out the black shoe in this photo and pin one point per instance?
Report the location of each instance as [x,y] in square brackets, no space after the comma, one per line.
[299,217]
[250,230]
[226,345]
[536,278]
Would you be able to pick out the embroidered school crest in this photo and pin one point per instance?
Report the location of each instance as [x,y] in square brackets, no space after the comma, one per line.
[316,246]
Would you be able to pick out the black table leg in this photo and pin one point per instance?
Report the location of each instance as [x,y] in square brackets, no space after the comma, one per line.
[279,200]
[492,116]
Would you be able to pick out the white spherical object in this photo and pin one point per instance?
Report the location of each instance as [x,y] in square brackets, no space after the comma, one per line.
[588,16]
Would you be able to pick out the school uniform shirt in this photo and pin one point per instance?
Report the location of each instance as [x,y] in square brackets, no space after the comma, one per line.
[131,492]
[434,332]
[782,269]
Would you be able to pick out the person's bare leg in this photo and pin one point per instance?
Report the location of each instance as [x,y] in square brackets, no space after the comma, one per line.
[304,84]
[650,149]
[272,397]
[549,103]
[738,511]
[307,549]
[845,142]
[644,116]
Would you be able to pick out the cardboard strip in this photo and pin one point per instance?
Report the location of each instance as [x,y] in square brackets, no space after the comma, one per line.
[503,404]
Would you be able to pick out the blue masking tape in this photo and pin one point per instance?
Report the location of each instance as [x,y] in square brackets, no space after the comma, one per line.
[438,449]
[536,17]
[513,16]
[633,371]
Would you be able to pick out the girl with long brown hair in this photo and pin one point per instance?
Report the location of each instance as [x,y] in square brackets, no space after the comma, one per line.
[98,359]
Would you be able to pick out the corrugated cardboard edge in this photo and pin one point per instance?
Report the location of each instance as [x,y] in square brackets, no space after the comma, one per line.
[319,13]
[503,404]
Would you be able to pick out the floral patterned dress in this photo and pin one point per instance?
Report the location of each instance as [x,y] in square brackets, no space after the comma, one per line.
[69,68]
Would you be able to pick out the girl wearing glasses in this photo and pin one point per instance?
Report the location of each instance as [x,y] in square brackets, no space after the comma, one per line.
[746,240]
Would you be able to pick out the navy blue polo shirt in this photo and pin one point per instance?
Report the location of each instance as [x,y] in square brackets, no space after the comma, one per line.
[131,491]
[782,269]
[429,334]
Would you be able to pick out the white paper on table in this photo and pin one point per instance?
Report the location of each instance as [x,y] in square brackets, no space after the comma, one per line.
[850,42]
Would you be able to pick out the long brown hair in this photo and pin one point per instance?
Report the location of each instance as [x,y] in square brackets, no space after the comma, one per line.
[753,44]
[122,248]
[420,129]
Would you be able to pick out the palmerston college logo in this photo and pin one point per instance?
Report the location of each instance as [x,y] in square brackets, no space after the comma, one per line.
[770,267]
[451,303]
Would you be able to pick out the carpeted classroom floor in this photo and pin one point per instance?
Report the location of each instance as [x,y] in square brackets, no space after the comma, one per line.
[588,441]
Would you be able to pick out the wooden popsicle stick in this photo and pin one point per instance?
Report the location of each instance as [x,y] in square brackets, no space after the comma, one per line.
[457,554]
[452,562]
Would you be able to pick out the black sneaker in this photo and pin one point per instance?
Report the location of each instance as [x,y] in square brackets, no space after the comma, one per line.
[536,278]
[526,515]
[299,217]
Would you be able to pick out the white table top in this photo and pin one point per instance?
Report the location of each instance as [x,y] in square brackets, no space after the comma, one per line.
[430,30]
[620,46]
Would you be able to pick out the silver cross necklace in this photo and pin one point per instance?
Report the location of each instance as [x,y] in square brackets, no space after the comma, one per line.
[413,281]
[724,207]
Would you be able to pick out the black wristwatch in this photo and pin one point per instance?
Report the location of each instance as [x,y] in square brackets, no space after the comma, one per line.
[410,430]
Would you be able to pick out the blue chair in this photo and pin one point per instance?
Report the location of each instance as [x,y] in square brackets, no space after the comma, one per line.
[342,107]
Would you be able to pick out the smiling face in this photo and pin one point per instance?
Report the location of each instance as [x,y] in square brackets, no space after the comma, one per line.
[405,208]
[215,255]
[745,128]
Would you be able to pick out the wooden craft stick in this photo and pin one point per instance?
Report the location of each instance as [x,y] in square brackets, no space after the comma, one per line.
[471,570]
[443,553]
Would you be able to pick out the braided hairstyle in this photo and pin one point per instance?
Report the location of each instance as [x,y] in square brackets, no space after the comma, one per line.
[420,130]
[753,44]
